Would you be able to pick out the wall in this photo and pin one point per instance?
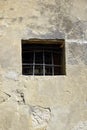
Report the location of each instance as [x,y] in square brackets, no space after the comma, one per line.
[39,102]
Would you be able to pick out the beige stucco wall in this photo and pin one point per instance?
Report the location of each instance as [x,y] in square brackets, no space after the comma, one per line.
[43,102]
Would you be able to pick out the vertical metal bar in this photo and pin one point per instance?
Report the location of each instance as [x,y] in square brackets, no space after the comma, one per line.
[52,63]
[34,64]
[43,63]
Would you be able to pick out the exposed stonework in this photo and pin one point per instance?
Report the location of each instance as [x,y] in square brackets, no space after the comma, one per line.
[40,116]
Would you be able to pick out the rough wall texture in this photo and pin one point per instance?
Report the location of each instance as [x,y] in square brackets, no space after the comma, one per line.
[43,103]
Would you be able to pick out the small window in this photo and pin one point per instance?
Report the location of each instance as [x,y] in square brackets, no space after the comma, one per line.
[43,57]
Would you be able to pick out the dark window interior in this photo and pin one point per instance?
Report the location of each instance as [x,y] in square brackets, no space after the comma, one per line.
[43,57]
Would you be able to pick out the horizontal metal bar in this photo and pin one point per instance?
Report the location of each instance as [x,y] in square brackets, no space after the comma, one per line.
[54,51]
[25,64]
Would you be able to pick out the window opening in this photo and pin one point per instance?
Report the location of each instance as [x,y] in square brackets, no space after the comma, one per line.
[43,57]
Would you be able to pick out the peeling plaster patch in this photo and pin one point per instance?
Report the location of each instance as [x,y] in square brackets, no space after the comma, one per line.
[77,31]
[12,75]
[40,116]
[52,34]
[82,125]
[67,25]
[77,53]
[58,9]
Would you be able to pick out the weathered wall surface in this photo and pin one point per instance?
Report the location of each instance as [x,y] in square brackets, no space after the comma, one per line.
[43,103]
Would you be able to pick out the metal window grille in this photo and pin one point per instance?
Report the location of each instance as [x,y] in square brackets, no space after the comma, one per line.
[43,59]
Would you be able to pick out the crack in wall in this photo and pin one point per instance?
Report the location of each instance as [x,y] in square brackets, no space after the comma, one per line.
[4,96]
[20,97]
